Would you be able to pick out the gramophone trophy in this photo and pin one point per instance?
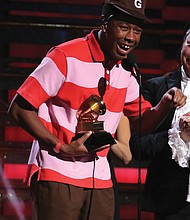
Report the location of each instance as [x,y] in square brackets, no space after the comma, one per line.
[88,121]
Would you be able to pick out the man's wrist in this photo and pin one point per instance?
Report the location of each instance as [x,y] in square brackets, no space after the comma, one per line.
[57,147]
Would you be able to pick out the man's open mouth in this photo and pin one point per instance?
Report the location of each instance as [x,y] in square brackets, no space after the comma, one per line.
[124,47]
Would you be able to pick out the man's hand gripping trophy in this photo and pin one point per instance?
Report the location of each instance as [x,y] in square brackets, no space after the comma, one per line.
[88,121]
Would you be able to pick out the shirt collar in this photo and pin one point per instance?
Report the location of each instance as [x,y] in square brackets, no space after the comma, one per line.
[95,49]
[97,53]
[184,76]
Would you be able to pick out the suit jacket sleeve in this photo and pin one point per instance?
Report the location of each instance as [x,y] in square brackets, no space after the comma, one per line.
[150,146]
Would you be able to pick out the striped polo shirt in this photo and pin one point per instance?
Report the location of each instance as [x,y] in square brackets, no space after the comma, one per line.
[66,78]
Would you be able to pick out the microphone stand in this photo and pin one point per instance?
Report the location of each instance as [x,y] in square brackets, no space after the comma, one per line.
[139,80]
[137,75]
[131,65]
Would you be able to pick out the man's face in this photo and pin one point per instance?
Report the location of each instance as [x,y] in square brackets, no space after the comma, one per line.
[121,38]
[185,55]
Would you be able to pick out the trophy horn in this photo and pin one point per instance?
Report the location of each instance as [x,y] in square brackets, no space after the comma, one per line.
[97,105]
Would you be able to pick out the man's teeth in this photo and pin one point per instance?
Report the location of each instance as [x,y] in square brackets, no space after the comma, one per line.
[125,47]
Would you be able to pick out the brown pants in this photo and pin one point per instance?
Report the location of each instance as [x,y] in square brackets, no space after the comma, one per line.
[58,201]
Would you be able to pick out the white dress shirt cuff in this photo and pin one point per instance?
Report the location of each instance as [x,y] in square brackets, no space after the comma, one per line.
[180,149]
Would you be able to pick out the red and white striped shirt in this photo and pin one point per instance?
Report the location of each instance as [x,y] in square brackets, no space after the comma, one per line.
[66,77]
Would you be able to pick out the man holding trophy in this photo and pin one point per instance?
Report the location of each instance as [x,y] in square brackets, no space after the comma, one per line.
[88,121]
[72,104]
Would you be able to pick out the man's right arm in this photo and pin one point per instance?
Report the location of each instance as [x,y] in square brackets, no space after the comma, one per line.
[26,116]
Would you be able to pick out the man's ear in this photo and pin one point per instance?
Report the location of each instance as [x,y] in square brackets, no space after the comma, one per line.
[104,27]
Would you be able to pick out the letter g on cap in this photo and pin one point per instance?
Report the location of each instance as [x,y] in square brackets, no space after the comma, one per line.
[138,3]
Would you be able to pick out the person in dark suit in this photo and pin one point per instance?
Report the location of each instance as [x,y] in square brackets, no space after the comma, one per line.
[167,185]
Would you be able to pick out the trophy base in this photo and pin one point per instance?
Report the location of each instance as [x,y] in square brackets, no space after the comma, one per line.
[96,140]
[90,126]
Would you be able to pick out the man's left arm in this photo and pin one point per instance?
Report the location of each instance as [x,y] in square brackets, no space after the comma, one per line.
[151,118]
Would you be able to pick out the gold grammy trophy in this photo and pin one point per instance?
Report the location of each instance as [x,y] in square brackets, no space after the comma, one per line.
[88,121]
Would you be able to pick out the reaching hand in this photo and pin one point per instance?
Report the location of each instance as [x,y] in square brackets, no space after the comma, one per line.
[184,122]
[184,125]
[174,97]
